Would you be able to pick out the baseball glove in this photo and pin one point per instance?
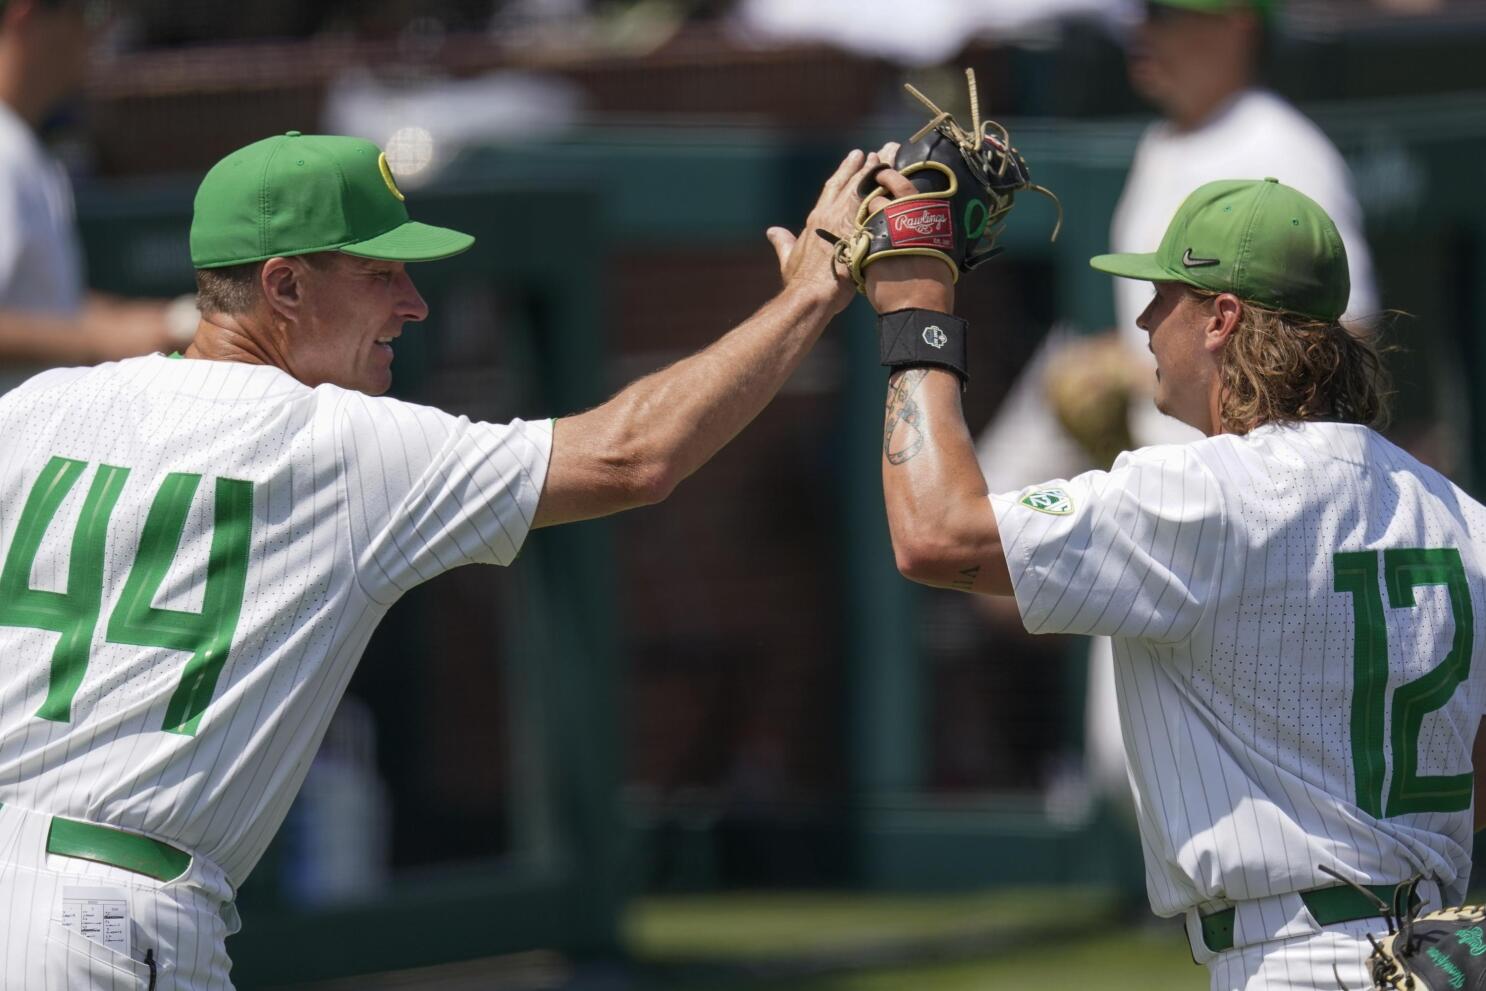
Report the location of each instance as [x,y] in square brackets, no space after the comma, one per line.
[1089,383]
[966,181]
[1435,951]
[1443,950]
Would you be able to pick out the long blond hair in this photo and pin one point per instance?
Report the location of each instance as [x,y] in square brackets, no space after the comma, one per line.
[1280,367]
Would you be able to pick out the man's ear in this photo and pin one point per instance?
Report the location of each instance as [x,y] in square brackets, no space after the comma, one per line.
[281,280]
[1227,309]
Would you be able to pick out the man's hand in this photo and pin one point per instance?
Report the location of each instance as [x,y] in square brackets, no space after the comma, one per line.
[807,261]
[908,282]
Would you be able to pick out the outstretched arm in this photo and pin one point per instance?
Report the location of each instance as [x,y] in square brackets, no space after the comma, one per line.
[634,449]
[107,328]
[943,528]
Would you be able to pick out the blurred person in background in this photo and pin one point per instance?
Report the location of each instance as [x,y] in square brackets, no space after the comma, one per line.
[47,316]
[944,27]
[1081,401]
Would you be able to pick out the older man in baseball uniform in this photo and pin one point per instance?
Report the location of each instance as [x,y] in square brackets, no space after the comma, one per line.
[1293,600]
[195,550]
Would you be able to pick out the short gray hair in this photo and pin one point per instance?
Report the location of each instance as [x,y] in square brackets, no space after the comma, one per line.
[231,289]
[234,289]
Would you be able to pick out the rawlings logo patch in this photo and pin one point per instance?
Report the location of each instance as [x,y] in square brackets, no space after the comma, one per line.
[919,224]
[1054,502]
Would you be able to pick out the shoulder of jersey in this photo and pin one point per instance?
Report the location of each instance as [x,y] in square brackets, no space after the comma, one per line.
[52,378]
[1179,456]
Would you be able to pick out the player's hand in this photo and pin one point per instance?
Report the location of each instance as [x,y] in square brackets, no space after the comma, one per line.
[807,261]
[908,282]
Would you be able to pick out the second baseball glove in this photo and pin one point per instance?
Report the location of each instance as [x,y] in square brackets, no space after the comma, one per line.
[1438,951]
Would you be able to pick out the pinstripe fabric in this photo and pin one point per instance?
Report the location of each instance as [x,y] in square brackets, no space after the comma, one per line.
[185,922]
[1334,959]
[1211,567]
[355,500]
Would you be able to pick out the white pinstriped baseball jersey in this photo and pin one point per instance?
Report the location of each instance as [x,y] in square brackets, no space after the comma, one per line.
[195,554]
[1295,615]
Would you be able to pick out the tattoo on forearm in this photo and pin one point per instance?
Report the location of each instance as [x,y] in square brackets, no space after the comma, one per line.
[966,581]
[901,446]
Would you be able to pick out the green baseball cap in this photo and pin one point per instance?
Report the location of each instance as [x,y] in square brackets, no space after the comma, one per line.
[1264,242]
[294,193]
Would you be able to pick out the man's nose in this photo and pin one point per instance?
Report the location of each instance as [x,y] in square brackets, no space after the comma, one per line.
[412,306]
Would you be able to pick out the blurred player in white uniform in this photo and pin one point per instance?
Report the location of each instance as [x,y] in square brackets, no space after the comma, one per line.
[1082,401]
[195,550]
[47,316]
[1295,604]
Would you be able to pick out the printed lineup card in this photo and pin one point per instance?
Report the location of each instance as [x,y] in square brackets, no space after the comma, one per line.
[100,914]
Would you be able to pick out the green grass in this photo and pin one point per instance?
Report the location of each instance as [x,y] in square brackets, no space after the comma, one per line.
[1115,960]
[745,927]
[1049,939]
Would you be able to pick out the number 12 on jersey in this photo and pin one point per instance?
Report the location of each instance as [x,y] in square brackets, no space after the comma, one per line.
[1356,572]
[206,636]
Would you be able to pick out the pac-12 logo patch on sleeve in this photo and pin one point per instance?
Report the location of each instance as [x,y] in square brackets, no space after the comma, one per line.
[1054,502]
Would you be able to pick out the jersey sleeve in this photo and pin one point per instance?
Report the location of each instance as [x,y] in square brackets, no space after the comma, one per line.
[427,491]
[1131,552]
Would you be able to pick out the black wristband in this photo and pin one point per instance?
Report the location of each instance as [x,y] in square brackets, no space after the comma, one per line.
[913,338]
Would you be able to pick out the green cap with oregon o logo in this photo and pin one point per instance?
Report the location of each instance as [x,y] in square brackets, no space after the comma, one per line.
[294,193]
[1262,241]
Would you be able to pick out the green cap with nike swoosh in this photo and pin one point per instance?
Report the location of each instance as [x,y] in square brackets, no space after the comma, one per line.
[1260,240]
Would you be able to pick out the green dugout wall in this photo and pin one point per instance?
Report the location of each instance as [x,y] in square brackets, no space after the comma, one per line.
[562,879]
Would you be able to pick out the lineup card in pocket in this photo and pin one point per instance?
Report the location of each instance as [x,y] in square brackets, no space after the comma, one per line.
[100,914]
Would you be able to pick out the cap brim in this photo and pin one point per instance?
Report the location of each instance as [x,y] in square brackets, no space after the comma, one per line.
[1130,266]
[412,242]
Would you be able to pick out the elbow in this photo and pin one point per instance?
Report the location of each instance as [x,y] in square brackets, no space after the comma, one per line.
[650,482]
[922,559]
[644,474]
[911,565]
[639,467]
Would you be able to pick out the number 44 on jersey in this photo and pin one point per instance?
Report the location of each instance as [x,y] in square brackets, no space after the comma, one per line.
[206,636]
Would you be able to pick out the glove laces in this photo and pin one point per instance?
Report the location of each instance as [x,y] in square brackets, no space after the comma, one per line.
[986,144]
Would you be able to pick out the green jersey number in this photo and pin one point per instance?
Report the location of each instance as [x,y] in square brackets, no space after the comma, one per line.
[1356,572]
[206,636]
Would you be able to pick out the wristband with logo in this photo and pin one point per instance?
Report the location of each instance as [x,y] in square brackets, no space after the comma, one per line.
[914,338]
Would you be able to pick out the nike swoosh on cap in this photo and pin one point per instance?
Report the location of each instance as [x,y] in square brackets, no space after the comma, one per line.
[1191,262]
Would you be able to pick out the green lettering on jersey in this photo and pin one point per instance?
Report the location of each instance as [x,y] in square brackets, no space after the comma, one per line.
[1356,572]
[1410,791]
[207,635]
[74,614]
